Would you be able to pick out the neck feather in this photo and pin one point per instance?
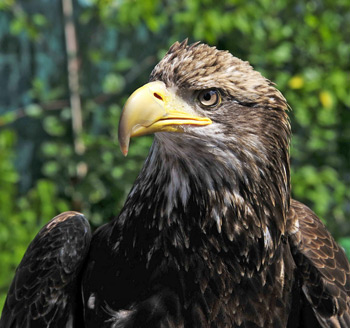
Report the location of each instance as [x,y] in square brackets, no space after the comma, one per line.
[199,194]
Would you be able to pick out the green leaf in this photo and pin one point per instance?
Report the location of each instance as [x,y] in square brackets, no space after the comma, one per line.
[345,243]
[113,83]
[53,126]
[33,110]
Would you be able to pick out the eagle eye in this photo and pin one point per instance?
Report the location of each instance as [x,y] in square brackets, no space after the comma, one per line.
[209,98]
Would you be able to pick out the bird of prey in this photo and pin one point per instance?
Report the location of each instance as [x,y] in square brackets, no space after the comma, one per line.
[209,235]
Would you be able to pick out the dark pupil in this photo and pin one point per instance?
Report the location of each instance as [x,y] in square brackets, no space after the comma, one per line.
[207,96]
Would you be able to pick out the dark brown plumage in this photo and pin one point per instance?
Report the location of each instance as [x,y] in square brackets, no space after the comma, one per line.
[208,236]
[44,291]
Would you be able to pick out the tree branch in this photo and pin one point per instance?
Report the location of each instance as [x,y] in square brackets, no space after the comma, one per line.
[73,75]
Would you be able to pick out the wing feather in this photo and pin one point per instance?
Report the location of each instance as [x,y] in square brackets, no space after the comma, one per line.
[323,266]
[43,291]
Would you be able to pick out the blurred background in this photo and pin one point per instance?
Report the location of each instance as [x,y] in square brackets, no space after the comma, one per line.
[67,67]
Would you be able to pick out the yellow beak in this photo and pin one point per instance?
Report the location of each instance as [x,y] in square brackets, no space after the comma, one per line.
[154,108]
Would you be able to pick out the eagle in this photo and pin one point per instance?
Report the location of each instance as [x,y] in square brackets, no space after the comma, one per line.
[209,235]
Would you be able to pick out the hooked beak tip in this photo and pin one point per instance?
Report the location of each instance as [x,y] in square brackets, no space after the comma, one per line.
[124,147]
[125,151]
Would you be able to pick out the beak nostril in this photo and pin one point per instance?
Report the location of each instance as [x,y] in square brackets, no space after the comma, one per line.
[157,95]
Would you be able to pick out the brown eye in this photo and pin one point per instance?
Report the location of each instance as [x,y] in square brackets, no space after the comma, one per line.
[209,98]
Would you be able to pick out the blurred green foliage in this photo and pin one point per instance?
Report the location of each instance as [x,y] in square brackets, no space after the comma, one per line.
[303,46]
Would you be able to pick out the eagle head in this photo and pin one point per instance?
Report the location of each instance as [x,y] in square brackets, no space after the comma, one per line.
[220,124]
